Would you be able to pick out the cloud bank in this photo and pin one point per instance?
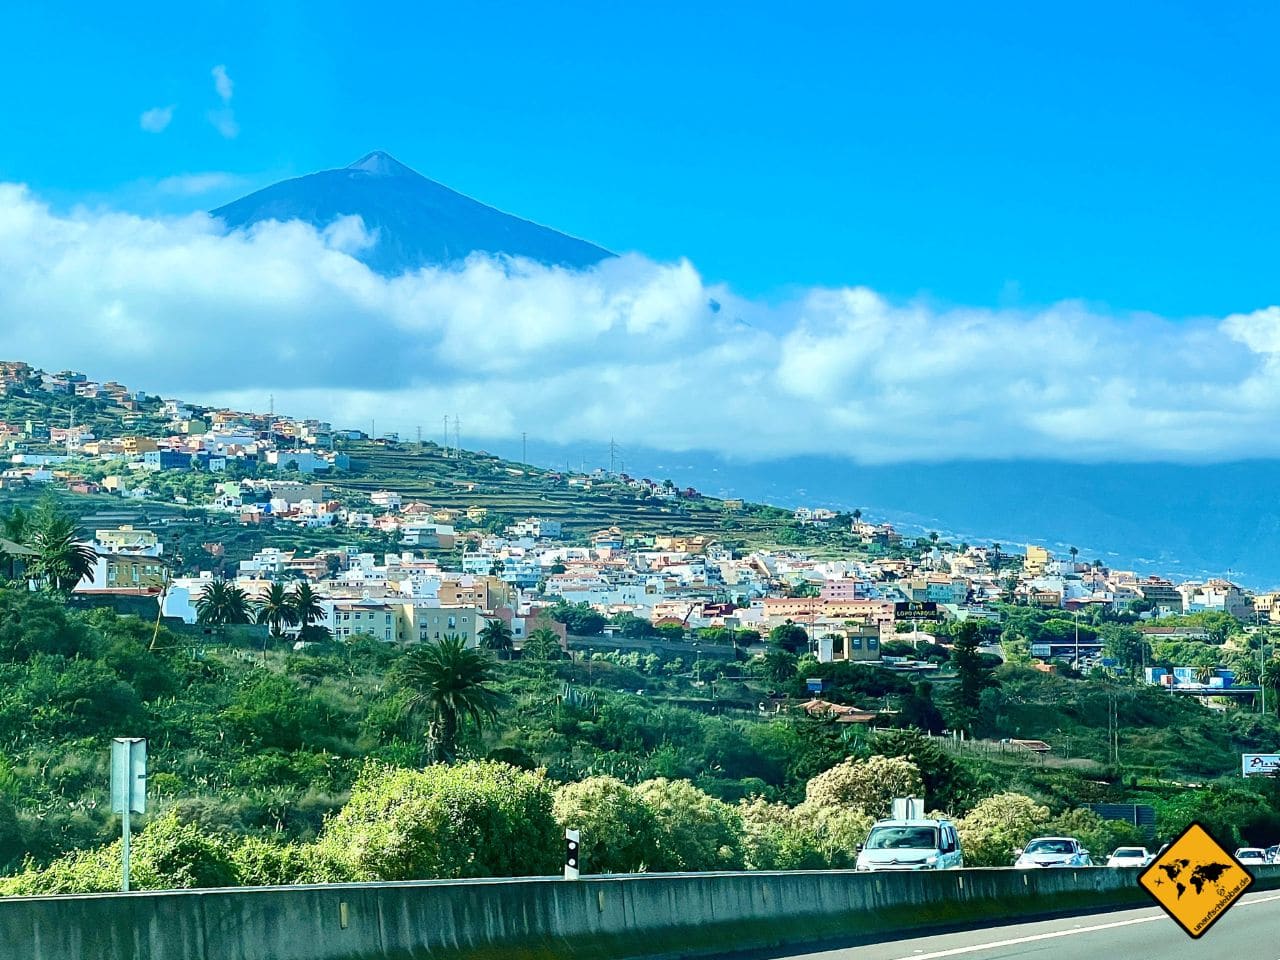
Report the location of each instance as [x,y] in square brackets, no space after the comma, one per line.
[645,352]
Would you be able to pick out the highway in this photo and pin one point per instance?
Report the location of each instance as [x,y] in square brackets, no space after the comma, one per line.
[1250,930]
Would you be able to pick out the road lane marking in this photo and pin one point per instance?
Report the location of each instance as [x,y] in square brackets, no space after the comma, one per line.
[1057,934]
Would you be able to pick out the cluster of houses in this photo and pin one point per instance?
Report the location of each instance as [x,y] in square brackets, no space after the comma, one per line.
[193,439]
[849,608]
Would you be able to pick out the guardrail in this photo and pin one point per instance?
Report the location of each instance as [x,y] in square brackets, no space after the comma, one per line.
[614,917]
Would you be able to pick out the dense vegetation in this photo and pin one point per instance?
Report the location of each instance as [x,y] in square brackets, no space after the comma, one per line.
[320,765]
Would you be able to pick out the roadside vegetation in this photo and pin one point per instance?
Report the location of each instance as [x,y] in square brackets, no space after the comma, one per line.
[365,761]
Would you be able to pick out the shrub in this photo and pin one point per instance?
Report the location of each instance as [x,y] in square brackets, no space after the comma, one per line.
[479,819]
[998,825]
[695,830]
[867,786]
[619,832]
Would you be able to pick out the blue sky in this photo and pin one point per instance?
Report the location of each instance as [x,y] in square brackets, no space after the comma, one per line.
[985,155]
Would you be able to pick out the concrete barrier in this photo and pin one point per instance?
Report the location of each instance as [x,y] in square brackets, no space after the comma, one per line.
[649,916]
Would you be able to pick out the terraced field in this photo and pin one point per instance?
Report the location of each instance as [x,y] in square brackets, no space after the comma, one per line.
[515,490]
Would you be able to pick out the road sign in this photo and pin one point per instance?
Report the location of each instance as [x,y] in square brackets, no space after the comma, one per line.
[1195,881]
[129,775]
[1260,764]
[128,790]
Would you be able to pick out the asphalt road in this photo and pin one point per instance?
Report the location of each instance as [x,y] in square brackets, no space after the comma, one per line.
[1250,930]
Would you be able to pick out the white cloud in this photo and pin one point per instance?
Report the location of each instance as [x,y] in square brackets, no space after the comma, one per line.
[631,349]
[224,118]
[222,83]
[198,184]
[157,119]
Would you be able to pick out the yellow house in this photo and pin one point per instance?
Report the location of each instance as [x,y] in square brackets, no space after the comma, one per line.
[427,624]
[1037,560]
[125,539]
[133,446]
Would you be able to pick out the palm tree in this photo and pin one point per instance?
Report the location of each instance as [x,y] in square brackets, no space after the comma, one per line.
[1074,551]
[451,684]
[497,636]
[61,561]
[275,609]
[994,558]
[222,603]
[1271,677]
[542,644]
[306,606]
[1205,672]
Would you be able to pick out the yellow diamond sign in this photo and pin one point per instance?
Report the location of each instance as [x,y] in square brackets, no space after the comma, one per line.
[1195,880]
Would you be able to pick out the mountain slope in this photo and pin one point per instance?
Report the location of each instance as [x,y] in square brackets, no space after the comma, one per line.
[418,222]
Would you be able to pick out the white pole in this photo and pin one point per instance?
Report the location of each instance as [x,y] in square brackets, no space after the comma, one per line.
[572,841]
[124,830]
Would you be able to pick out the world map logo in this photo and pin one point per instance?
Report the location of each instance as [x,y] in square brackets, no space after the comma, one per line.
[1195,881]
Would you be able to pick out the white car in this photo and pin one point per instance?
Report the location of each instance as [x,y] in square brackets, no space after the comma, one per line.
[911,845]
[1129,857]
[1252,856]
[1053,852]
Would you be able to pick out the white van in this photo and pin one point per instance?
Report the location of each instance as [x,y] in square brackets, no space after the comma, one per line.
[911,844]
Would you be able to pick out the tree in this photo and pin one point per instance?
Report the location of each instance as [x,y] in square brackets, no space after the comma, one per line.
[276,610]
[947,785]
[497,636]
[1125,645]
[695,830]
[867,786]
[790,637]
[973,674]
[222,603]
[1271,679]
[60,560]
[306,608]
[579,618]
[1074,553]
[451,685]
[993,558]
[619,831]
[542,644]
[777,665]
[997,826]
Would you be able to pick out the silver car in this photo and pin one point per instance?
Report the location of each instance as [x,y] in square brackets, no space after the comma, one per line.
[1053,852]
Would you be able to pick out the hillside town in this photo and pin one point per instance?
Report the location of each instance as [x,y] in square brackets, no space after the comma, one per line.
[449,574]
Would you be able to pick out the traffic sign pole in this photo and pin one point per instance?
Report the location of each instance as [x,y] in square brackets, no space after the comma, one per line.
[572,846]
[128,791]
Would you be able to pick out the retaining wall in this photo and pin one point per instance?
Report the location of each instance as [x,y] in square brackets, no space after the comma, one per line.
[598,918]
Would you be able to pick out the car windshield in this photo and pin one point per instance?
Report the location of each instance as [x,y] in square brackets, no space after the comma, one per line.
[1130,852]
[1051,846]
[903,838]
[1250,852]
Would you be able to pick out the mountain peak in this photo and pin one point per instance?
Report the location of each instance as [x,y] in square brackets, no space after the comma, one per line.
[380,164]
[417,221]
